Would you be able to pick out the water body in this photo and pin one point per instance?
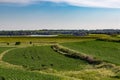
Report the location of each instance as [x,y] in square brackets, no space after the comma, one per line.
[42,35]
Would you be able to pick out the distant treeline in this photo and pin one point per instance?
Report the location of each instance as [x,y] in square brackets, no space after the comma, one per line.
[59,32]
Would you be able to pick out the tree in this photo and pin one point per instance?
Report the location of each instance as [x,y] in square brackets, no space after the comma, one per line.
[17,43]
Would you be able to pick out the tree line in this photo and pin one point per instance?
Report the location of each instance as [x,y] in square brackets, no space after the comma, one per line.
[57,32]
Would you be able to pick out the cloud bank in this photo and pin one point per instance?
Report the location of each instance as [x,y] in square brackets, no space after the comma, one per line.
[83,3]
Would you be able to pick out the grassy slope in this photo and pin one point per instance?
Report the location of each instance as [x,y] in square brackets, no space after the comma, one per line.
[93,74]
[42,57]
[118,36]
[99,35]
[107,51]
[11,74]
[3,49]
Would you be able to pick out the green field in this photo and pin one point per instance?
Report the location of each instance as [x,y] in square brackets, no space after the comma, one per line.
[11,74]
[42,57]
[106,51]
[38,61]
[42,39]
[3,49]
[118,36]
[99,35]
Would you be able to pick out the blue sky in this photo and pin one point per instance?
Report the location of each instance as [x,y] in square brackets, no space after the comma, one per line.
[53,14]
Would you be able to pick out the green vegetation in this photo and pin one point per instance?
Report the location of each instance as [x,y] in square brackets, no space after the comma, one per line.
[71,58]
[106,51]
[11,74]
[17,43]
[99,35]
[110,39]
[94,74]
[42,57]
[42,39]
[76,55]
[118,36]
[3,49]
[66,35]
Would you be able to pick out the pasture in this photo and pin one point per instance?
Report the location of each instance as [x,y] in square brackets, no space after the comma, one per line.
[4,48]
[36,60]
[42,57]
[106,51]
[23,39]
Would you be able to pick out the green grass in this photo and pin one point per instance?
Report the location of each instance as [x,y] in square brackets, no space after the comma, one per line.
[93,74]
[3,49]
[11,74]
[118,36]
[41,39]
[42,57]
[99,35]
[66,35]
[106,51]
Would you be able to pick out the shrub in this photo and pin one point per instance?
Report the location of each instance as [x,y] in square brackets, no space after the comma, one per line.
[7,43]
[107,39]
[2,78]
[117,76]
[51,64]
[30,42]
[17,43]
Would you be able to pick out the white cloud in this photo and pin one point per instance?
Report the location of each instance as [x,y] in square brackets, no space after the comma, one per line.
[85,3]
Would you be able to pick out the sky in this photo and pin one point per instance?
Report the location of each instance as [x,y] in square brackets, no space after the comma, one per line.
[59,14]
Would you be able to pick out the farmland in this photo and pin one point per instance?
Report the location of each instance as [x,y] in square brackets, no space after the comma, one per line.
[42,57]
[106,51]
[34,58]
[42,39]
[4,48]
[59,39]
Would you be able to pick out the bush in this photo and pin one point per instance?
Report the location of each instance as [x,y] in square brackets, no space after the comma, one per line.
[117,76]
[30,42]
[7,43]
[2,78]
[17,43]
